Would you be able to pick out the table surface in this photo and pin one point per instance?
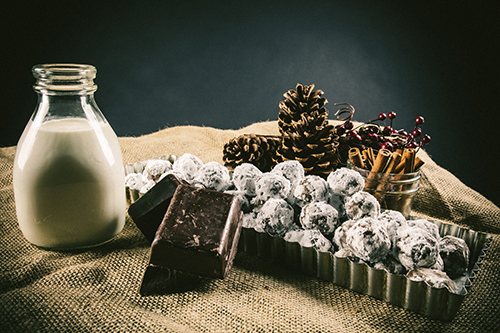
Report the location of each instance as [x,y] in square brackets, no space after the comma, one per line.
[97,289]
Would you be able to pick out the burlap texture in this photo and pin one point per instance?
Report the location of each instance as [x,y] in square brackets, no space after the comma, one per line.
[97,290]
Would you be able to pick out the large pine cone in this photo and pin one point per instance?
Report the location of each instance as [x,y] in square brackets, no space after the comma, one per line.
[302,100]
[259,150]
[307,136]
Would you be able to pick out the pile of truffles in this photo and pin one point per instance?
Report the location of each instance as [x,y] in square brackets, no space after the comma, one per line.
[332,215]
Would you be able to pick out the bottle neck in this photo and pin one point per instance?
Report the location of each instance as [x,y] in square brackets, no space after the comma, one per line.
[66,91]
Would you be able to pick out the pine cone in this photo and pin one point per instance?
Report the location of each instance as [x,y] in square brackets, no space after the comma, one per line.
[259,150]
[307,136]
[297,102]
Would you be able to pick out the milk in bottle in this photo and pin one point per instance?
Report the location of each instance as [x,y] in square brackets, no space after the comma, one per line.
[68,170]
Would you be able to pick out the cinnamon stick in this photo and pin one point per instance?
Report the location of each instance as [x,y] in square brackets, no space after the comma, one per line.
[355,157]
[395,159]
[381,161]
[409,160]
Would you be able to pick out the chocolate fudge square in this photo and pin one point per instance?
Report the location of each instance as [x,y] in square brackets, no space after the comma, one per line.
[149,210]
[199,233]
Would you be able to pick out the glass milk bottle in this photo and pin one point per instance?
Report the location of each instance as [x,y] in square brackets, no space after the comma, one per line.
[68,170]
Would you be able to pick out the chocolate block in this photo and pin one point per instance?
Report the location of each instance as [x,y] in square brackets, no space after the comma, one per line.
[149,210]
[199,234]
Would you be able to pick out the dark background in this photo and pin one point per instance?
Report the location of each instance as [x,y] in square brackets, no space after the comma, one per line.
[226,64]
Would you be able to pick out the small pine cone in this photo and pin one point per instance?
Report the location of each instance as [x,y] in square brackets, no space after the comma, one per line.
[259,150]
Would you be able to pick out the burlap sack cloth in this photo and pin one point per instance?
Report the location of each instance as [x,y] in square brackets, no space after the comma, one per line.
[97,290]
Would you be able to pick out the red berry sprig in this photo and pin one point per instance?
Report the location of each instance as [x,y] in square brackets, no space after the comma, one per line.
[375,135]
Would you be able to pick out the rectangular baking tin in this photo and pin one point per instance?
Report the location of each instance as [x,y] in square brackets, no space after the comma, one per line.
[398,290]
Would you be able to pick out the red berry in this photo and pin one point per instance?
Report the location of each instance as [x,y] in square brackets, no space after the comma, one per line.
[426,139]
[392,115]
[412,145]
[348,125]
[417,132]
[387,130]
[419,120]
[387,145]
[382,116]
[373,136]
[403,132]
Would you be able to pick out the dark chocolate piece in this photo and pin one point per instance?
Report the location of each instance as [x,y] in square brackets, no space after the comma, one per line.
[162,280]
[200,232]
[148,211]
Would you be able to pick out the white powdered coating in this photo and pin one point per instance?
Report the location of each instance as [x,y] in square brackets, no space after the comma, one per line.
[244,202]
[417,248]
[362,204]
[244,178]
[345,182]
[424,224]
[439,265]
[433,277]
[276,217]
[314,238]
[271,186]
[319,215]
[340,235]
[294,236]
[188,165]
[213,176]
[177,175]
[368,240]
[291,170]
[135,181]
[343,253]
[393,221]
[455,254]
[250,221]
[154,169]
[309,189]
[147,186]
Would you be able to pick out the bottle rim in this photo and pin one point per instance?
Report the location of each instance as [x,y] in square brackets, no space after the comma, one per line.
[64,78]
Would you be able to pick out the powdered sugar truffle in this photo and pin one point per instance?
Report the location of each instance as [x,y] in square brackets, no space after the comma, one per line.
[155,168]
[362,204]
[271,186]
[455,254]
[244,178]
[177,175]
[309,189]
[188,165]
[314,238]
[319,215]
[368,240]
[433,277]
[417,248]
[393,221]
[250,221]
[291,170]
[294,235]
[340,235]
[345,182]
[147,186]
[426,225]
[213,176]
[276,217]
[135,181]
